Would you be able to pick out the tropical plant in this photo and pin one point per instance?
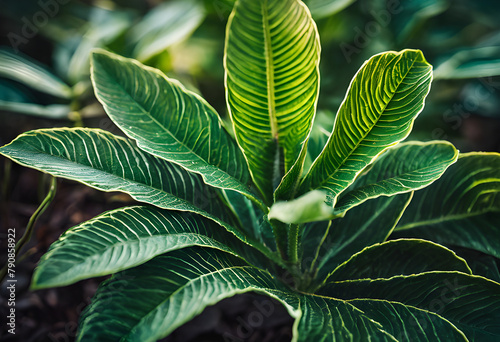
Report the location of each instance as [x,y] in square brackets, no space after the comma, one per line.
[352,247]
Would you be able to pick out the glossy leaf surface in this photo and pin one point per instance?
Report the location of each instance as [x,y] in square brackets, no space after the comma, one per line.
[399,257]
[110,163]
[168,121]
[471,303]
[272,80]
[378,111]
[462,208]
[407,167]
[122,239]
[365,225]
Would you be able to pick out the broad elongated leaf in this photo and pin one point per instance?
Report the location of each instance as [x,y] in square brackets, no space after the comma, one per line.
[378,111]
[407,323]
[479,61]
[110,163]
[173,288]
[168,121]
[471,303]
[271,62]
[365,225]
[328,319]
[399,257]
[252,219]
[407,167]
[406,18]
[462,208]
[168,291]
[164,25]
[121,239]
[22,70]
[54,111]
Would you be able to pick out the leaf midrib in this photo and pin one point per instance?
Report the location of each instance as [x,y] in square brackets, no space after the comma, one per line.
[95,256]
[405,189]
[191,207]
[139,324]
[269,72]
[134,182]
[149,115]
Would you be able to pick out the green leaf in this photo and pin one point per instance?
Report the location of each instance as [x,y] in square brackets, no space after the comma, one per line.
[408,18]
[479,61]
[54,111]
[365,225]
[166,24]
[378,111]
[168,121]
[20,69]
[252,220]
[407,323]
[481,264]
[470,303]
[104,26]
[307,208]
[148,302]
[399,257]
[325,8]
[14,97]
[122,239]
[272,79]
[171,289]
[329,319]
[462,208]
[406,167]
[110,163]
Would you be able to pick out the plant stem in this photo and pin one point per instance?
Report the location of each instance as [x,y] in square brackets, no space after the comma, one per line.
[280,236]
[259,203]
[31,223]
[39,211]
[5,190]
[293,243]
[318,249]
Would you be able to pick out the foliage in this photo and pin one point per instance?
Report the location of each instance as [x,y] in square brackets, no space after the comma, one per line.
[358,246]
[65,92]
[459,37]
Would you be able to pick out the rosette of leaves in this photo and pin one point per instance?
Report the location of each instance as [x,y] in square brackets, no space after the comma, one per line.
[357,247]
